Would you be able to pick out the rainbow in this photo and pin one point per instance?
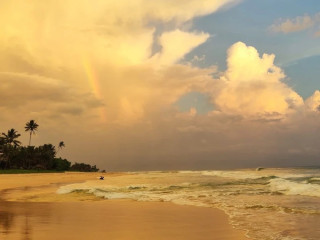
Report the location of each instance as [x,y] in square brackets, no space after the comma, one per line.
[94,85]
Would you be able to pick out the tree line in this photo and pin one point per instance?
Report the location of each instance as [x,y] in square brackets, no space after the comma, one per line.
[44,157]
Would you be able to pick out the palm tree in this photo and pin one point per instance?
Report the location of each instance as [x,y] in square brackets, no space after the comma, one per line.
[31,127]
[61,145]
[11,136]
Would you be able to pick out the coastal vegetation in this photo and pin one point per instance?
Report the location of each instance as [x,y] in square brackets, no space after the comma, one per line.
[15,158]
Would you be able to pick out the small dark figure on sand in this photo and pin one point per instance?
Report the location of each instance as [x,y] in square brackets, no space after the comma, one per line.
[101,178]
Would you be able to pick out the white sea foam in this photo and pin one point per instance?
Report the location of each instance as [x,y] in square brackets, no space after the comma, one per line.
[294,188]
[234,174]
[315,179]
[249,197]
[69,188]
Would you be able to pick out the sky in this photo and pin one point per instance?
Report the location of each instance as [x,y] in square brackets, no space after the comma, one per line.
[165,85]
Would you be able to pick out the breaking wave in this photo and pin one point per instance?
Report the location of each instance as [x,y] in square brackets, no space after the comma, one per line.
[282,197]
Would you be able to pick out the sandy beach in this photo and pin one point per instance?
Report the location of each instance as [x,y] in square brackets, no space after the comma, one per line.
[31,209]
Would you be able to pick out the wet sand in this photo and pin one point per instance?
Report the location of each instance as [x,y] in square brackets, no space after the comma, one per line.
[65,217]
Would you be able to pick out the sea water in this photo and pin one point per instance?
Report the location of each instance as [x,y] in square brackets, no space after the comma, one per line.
[267,203]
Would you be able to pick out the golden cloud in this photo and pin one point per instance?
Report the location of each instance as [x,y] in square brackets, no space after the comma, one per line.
[253,85]
[105,77]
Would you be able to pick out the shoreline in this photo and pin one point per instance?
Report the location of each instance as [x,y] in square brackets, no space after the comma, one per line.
[117,219]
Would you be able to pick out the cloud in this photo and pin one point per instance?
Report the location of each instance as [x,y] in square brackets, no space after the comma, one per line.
[293,25]
[297,24]
[104,50]
[313,102]
[120,33]
[173,50]
[105,78]
[253,86]
[33,96]
[317,34]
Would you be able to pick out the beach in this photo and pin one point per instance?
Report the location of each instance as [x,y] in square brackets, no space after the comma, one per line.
[164,119]
[31,208]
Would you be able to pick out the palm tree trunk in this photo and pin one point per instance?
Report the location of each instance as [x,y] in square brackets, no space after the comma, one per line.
[30,139]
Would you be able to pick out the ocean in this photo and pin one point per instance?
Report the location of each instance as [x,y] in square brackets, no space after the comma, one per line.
[273,203]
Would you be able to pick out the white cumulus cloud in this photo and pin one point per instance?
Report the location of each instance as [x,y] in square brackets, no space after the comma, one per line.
[253,85]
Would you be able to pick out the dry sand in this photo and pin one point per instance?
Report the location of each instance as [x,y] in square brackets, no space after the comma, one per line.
[24,215]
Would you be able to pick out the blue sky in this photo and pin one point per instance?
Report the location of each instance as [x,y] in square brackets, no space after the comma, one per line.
[297,53]
[249,22]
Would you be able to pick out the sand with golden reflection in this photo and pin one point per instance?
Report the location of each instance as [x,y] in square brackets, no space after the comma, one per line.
[31,209]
